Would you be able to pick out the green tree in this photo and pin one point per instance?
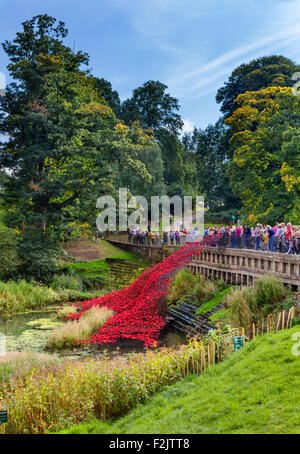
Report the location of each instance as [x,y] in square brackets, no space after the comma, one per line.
[153,108]
[210,150]
[64,143]
[111,96]
[264,172]
[275,71]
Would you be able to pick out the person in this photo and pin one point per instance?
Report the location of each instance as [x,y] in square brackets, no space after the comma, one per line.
[233,218]
[271,236]
[165,238]
[238,233]
[172,237]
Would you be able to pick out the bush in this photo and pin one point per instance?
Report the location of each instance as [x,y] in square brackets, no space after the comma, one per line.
[249,304]
[23,295]
[183,282]
[38,256]
[66,281]
[77,330]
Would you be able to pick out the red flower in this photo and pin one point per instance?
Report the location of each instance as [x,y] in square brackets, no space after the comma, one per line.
[135,307]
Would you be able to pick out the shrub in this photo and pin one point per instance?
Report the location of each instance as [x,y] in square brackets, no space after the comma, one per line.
[77,330]
[249,304]
[183,283]
[66,281]
[22,295]
[8,257]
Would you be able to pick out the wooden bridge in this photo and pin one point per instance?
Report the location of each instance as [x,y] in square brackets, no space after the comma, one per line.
[235,266]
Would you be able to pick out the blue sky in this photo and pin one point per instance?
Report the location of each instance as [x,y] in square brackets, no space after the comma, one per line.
[190,45]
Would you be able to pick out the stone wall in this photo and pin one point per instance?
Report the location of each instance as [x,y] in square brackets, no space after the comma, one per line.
[235,266]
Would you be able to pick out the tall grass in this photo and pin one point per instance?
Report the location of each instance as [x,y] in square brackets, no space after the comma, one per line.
[246,305]
[76,330]
[19,364]
[46,400]
[22,295]
[19,296]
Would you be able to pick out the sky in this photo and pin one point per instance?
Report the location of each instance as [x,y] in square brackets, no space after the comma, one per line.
[190,45]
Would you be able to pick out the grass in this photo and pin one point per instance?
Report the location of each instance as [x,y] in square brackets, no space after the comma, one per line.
[76,330]
[211,304]
[22,296]
[256,391]
[19,364]
[95,274]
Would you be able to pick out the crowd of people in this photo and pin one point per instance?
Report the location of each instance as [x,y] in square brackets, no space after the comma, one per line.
[281,237]
[157,238]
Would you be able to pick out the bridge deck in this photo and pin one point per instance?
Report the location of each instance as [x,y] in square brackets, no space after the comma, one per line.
[236,266]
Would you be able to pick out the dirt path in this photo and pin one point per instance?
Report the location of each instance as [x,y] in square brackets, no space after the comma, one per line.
[89,250]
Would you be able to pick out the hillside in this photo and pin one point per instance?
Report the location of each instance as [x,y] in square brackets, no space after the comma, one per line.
[256,391]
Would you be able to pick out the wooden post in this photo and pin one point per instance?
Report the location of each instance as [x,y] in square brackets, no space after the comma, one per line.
[262,325]
[278,321]
[288,318]
[253,330]
[283,319]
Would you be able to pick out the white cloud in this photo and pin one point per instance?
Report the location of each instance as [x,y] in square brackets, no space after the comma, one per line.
[188,126]
[194,75]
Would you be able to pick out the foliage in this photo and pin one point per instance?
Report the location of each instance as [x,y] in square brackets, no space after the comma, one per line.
[264,170]
[264,72]
[183,282]
[214,302]
[63,140]
[8,257]
[16,365]
[68,335]
[49,400]
[247,305]
[152,107]
[210,150]
[20,296]
[250,393]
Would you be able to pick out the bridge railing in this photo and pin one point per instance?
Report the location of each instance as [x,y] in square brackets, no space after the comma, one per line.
[220,241]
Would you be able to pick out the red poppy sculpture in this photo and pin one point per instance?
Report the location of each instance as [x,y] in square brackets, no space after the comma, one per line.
[135,307]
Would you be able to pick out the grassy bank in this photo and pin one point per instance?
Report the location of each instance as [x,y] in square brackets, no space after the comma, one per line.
[22,296]
[256,391]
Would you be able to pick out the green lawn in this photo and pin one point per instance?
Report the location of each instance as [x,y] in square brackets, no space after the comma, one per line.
[256,391]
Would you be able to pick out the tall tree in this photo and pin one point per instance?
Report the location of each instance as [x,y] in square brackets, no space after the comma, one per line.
[64,142]
[260,73]
[265,167]
[153,108]
[111,96]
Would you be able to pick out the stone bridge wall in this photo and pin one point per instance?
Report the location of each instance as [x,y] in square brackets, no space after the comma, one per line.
[236,266]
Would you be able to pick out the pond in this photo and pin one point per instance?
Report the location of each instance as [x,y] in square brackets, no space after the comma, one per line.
[30,332]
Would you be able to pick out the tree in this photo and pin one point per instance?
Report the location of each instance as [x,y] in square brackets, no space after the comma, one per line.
[153,108]
[264,172]
[260,73]
[111,96]
[65,144]
[209,147]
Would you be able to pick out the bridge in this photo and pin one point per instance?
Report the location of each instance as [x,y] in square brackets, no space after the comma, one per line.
[235,266]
